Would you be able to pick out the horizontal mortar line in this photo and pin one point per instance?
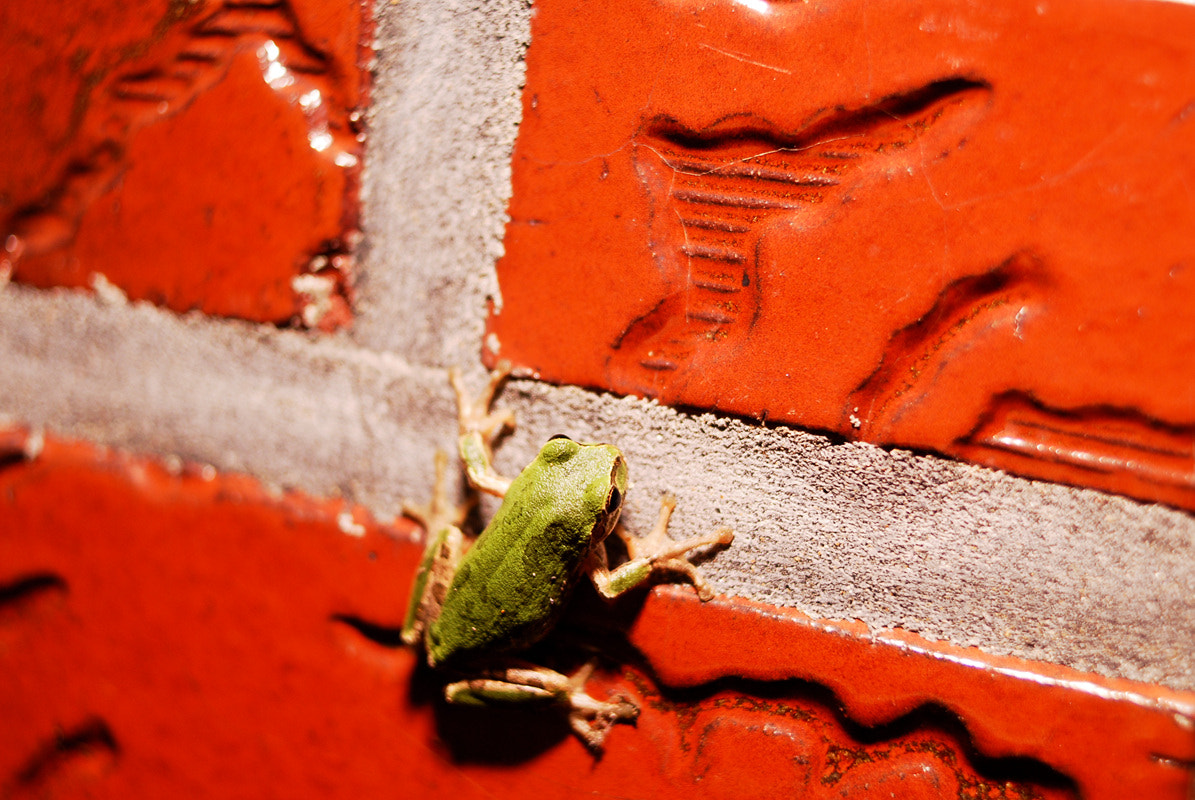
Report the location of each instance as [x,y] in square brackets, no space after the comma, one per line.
[205,379]
[210,362]
[734,200]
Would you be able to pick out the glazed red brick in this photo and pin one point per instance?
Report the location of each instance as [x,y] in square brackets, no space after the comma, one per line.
[187,634]
[941,225]
[198,155]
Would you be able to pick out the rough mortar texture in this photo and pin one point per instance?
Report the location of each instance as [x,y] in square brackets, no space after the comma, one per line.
[447,104]
[297,410]
[842,531]
[852,531]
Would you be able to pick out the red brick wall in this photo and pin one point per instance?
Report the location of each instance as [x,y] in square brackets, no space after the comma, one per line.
[953,229]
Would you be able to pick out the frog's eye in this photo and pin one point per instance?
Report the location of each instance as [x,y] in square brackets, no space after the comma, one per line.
[558,436]
[614,500]
[559,449]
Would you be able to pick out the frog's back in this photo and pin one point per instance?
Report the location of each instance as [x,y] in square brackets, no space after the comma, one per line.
[509,588]
[512,584]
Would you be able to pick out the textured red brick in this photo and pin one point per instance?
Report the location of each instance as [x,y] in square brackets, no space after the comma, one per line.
[198,155]
[188,634]
[943,225]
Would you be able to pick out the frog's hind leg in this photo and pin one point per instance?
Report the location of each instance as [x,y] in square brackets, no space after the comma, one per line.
[591,719]
[441,520]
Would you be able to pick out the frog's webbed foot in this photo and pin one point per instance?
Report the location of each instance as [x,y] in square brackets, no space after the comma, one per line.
[479,427]
[656,553]
[475,416]
[439,510]
[591,719]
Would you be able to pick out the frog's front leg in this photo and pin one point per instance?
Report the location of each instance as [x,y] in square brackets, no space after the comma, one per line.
[653,554]
[590,718]
[479,427]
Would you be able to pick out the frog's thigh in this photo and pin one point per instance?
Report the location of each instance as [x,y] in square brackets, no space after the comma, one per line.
[441,556]
[515,684]
[488,691]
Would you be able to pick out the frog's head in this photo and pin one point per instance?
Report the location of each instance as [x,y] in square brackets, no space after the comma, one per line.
[596,473]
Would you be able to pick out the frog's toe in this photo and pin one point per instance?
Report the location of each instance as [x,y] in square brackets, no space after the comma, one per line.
[592,719]
[624,710]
